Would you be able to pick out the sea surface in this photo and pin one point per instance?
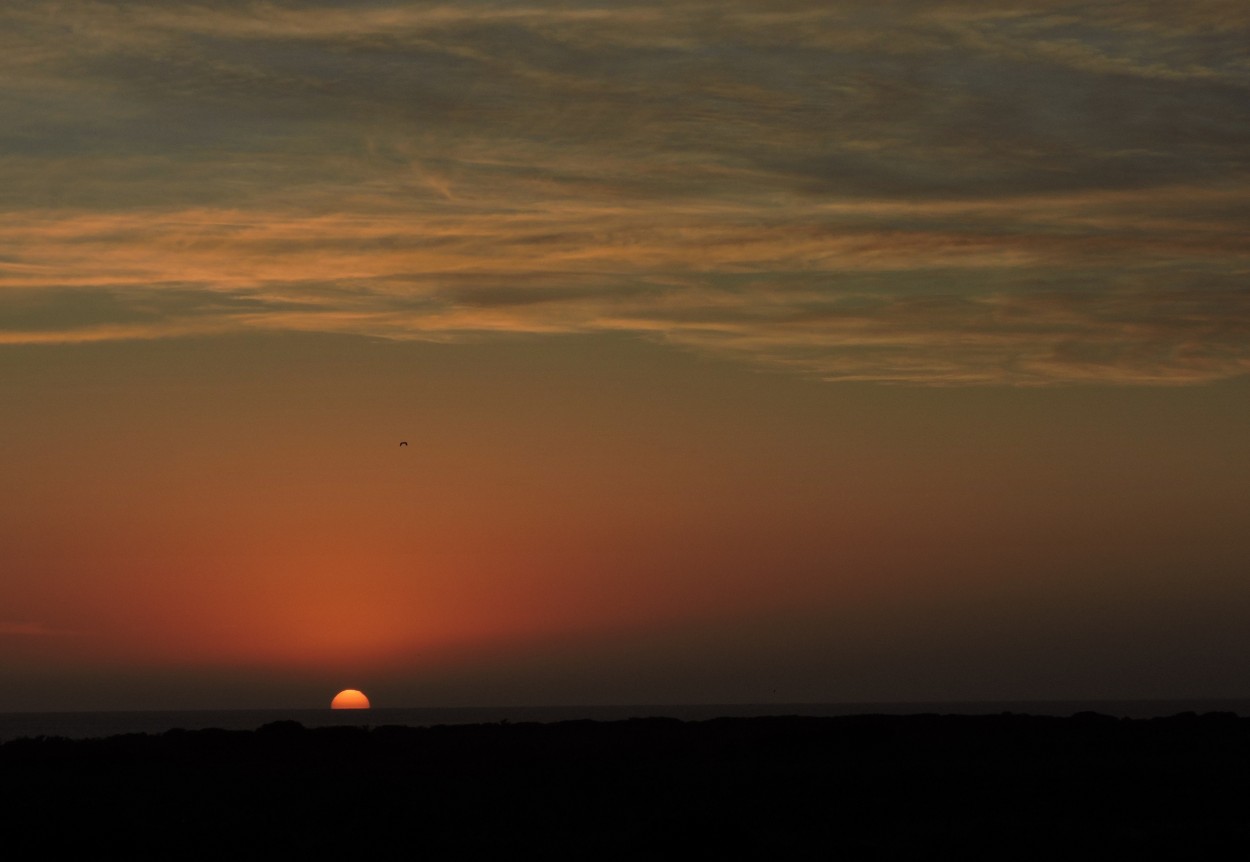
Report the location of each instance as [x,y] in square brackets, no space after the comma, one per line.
[87,725]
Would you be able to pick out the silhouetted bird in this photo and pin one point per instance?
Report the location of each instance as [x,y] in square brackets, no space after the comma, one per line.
[403,442]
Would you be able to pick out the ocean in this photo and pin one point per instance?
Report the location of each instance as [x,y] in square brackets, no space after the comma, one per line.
[86,725]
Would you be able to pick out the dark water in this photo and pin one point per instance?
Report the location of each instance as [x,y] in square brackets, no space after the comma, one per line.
[83,725]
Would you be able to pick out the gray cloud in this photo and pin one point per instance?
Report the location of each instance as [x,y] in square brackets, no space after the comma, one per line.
[922,192]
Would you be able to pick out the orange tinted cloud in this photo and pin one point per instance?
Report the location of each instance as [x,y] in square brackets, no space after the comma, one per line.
[944,193]
[932,292]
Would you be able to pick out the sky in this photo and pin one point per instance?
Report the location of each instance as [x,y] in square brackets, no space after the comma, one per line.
[745,352]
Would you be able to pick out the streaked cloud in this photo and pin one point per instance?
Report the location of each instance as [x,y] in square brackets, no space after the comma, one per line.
[935,193]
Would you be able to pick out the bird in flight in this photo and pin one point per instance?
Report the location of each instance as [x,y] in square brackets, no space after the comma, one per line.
[403,442]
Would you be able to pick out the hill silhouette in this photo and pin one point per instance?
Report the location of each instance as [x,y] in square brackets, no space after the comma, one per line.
[861,787]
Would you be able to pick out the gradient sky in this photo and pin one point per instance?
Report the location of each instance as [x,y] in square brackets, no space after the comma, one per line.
[746,352]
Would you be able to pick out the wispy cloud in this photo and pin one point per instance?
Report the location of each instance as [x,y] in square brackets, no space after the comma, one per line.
[939,193]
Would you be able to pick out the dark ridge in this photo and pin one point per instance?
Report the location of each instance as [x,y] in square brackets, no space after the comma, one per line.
[858,787]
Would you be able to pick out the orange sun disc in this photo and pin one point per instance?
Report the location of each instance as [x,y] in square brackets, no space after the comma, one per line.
[349,698]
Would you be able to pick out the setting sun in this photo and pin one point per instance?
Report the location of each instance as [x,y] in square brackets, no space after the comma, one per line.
[349,698]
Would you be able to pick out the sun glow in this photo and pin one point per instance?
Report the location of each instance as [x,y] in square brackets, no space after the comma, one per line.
[349,698]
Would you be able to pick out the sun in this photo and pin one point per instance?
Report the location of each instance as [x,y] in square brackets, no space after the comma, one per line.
[349,698]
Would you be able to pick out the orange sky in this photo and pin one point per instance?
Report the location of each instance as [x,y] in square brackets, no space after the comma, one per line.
[832,353]
[601,520]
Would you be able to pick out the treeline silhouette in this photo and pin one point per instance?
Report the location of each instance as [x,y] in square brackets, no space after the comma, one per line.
[864,787]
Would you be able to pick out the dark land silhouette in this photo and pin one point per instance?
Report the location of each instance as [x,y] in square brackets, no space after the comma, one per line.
[862,787]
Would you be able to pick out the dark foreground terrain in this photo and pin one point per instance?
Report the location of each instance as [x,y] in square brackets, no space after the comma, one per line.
[867,787]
